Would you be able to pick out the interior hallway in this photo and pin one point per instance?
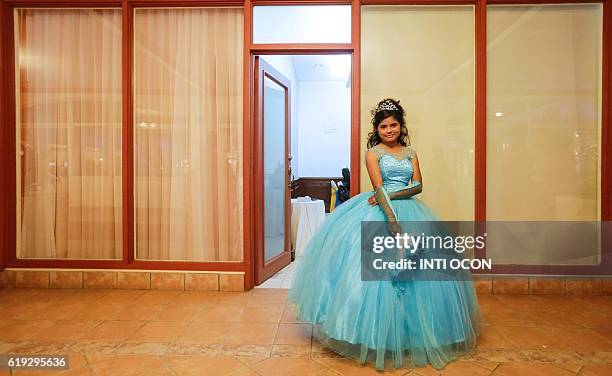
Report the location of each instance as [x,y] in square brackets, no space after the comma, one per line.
[137,332]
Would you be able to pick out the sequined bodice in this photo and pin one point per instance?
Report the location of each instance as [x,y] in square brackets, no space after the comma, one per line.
[396,168]
[396,172]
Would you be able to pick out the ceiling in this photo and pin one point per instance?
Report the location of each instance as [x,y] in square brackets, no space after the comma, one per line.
[322,67]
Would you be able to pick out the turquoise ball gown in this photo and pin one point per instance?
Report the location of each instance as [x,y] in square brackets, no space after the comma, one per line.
[390,324]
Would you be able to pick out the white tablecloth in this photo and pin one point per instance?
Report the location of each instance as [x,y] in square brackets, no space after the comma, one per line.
[306,217]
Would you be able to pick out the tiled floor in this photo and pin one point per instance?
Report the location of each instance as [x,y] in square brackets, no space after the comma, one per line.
[282,279]
[126,332]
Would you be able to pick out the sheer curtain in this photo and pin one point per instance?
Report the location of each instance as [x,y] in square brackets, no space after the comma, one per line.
[69,133]
[188,134]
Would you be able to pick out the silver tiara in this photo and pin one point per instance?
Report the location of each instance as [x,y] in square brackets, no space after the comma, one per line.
[388,106]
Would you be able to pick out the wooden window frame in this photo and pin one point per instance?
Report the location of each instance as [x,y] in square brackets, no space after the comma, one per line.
[8,258]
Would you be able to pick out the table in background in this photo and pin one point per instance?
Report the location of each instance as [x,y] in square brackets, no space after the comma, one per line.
[306,217]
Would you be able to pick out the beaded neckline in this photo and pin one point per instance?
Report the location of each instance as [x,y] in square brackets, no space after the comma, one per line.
[400,155]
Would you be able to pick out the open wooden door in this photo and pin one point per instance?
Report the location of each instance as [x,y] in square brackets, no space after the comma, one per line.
[272,173]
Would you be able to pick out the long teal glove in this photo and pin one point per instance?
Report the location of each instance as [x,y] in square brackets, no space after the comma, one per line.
[385,204]
[413,189]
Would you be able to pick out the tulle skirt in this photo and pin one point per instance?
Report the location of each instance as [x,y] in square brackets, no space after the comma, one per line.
[388,323]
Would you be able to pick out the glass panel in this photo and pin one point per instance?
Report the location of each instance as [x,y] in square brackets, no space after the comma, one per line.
[543,123]
[407,53]
[302,24]
[275,169]
[68,98]
[188,134]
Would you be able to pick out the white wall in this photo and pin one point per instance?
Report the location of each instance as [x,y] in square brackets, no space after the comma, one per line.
[284,65]
[324,128]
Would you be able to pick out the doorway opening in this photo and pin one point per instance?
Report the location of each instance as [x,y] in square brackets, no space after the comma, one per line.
[302,122]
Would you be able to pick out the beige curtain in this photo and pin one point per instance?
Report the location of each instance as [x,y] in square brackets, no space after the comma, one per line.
[188,134]
[69,133]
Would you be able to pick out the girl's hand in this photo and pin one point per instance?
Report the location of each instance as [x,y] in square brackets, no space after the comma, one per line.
[372,200]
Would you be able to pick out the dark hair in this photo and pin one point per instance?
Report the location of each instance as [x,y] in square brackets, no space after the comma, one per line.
[378,116]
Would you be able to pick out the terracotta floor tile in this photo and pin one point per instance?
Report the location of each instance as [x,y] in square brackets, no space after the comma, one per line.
[157,297]
[582,339]
[596,370]
[350,367]
[142,348]
[96,312]
[458,368]
[131,312]
[533,338]
[269,297]
[93,349]
[560,319]
[290,315]
[246,350]
[554,356]
[291,351]
[58,312]
[530,369]
[604,332]
[508,317]
[499,355]
[601,303]
[112,331]
[78,371]
[205,332]
[24,311]
[38,347]
[487,302]
[252,334]
[128,365]
[25,330]
[66,330]
[219,313]
[207,365]
[521,303]
[5,347]
[178,348]
[319,351]
[288,367]
[158,331]
[121,296]
[86,296]
[230,298]
[195,298]
[261,313]
[490,337]
[294,334]
[53,295]
[592,318]
[173,312]
[559,302]
[14,296]
[132,332]
[251,360]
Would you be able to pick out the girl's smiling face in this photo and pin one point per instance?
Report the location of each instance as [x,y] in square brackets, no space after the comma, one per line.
[389,129]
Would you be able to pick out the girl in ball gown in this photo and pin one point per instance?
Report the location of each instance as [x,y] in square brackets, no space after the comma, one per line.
[389,323]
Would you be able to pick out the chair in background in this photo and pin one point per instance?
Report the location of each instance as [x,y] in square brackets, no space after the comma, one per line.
[334,190]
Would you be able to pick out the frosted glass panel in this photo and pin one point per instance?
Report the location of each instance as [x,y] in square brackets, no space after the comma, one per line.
[302,24]
[411,53]
[543,121]
[274,168]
